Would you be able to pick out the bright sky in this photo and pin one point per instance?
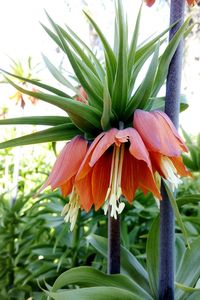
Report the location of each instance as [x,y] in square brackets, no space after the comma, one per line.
[21,34]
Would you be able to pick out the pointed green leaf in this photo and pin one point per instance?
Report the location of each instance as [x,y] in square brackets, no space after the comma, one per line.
[145,46]
[186,289]
[89,114]
[37,83]
[78,50]
[120,85]
[189,269]
[176,212]
[141,96]
[137,68]
[98,66]
[166,57]
[39,120]
[132,50]
[152,251]
[57,133]
[58,75]
[109,54]
[107,109]
[94,98]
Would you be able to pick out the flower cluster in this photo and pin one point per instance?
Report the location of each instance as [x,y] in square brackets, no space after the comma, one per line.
[118,162]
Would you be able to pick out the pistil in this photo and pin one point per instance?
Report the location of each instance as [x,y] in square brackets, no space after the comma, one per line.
[114,190]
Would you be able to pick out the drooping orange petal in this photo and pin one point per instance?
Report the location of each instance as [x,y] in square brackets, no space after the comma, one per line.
[101,178]
[107,140]
[66,188]
[180,167]
[84,190]
[85,167]
[173,128]
[137,147]
[146,179]
[156,163]
[158,134]
[68,162]
[129,182]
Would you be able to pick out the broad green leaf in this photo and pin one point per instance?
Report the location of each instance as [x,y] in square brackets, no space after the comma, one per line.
[176,212]
[97,293]
[189,269]
[37,83]
[194,198]
[158,103]
[141,96]
[90,277]
[193,296]
[120,85]
[57,133]
[180,249]
[166,57]
[39,120]
[152,251]
[130,266]
[89,114]
[192,161]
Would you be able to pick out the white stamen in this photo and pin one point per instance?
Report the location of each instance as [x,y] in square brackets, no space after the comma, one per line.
[71,209]
[170,172]
[114,190]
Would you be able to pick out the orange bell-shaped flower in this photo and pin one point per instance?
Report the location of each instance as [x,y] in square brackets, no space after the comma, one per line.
[117,163]
[63,174]
[163,143]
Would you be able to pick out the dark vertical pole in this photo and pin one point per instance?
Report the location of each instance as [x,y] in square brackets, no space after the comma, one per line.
[167,230]
[113,245]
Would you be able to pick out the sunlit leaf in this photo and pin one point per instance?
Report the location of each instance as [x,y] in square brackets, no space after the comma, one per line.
[78,109]
[152,251]
[176,212]
[130,266]
[37,120]
[56,133]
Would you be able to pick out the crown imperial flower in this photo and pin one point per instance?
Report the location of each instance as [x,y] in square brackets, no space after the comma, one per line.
[117,163]
[163,143]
